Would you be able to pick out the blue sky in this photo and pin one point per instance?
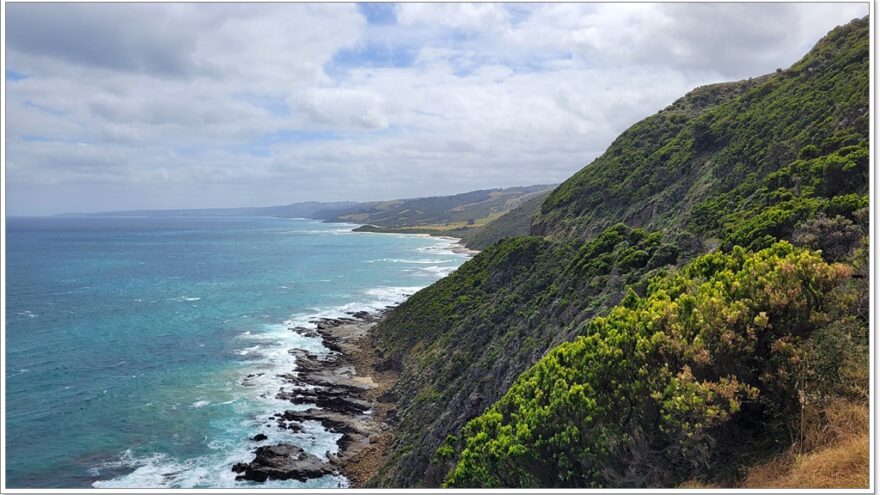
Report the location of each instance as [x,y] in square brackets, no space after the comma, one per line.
[118,106]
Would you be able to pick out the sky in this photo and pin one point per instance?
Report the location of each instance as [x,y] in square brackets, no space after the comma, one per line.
[127,106]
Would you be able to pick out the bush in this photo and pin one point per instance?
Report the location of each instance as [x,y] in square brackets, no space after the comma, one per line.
[642,396]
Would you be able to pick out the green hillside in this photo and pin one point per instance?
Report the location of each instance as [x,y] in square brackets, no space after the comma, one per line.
[696,362]
[457,210]
[516,222]
[776,153]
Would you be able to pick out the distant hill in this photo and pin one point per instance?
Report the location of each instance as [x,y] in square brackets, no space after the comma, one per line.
[458,210]
[514,223]
[479,218]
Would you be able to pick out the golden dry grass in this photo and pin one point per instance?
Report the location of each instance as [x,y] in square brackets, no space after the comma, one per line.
[833,452]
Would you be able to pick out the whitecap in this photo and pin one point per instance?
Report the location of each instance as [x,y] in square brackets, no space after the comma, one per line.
[420,261]
[437,271]
[247,350]
[185,299]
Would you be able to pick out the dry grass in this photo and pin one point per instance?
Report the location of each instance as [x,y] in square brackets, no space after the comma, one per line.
[833,452]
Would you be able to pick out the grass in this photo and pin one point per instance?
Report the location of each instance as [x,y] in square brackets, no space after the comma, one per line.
[833,452]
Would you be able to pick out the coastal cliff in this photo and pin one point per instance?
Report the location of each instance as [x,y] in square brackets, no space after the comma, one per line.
[733,168]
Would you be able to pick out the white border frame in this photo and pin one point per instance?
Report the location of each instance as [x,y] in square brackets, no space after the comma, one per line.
[872,291]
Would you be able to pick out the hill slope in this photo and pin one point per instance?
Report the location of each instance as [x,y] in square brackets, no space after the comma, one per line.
[438,211]
[782,157]
[516,222]
[703,170]
[479,218]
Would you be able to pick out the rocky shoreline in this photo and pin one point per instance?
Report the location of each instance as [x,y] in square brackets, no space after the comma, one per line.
[350,392]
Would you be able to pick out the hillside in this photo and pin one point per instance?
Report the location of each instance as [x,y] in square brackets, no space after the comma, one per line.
[508,378]
[437,212]
[514,223]
[479,218]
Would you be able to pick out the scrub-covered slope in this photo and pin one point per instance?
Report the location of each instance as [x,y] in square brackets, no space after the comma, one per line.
[782,157]
[514,223]
[803,130]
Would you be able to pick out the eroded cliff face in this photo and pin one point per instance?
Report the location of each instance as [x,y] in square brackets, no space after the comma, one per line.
[744,163]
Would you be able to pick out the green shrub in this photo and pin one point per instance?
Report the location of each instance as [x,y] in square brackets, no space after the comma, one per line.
[642,396]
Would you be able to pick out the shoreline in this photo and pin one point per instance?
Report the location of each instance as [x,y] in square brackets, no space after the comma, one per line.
[458,248]
[348,391]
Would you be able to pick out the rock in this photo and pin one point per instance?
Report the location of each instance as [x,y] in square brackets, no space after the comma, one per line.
[391,417]
[259,437]
[282,462]
[386,365]
[306,332]
[343,405]
[333,421]
[325,323]
[361,315]
[475,399]
[387,397]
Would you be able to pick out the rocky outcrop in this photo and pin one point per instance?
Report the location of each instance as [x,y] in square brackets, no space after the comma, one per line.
[283,462]
[344,396]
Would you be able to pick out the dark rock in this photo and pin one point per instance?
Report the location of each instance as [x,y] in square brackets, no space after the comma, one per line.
[391,417]
[343,405]
[387,397]
[333,421]
[386,365]
[259,437]
[282,462]
[325,323]
[475,399]
[306,332]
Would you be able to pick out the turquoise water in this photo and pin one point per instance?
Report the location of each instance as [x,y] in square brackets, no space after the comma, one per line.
[127,339]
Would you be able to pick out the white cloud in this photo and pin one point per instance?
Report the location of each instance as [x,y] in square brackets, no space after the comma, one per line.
[468,16]
[242,104]
[342,108]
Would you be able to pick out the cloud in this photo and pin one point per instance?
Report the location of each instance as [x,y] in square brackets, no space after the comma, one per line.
[343,108]
[481,17]
[111,37]
[197,105]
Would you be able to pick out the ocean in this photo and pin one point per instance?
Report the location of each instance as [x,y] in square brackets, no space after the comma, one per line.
[128,339]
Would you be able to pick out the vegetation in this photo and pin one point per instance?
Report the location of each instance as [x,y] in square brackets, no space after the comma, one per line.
[761,156]
[457,211]
[514,223]
[833,452]
[609,349]
[646,394]
[464,340]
